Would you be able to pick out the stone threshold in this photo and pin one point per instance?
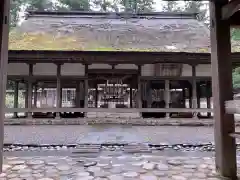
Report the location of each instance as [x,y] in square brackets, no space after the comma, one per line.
[117,121]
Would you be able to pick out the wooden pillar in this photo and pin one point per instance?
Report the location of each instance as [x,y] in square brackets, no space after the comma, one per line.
[16,98]
[184,96]
[167,95]
[208,90]
[96,95]
[59,90]
[35,95]
[30,89]
[78,94]
[86,88]
[139,87]
[4,28]
[194,89]
[225,146]
[131,100]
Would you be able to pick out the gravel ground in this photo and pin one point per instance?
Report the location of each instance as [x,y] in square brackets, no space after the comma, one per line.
[107,134]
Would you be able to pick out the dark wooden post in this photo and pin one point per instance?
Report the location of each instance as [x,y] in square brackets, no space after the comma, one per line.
[4,28]
[59,90]
[30,89]
[139,87]
[208,90]
[131,100]
[96,95]
[194,89]
[35,95]
[86,89]
[78,94]
[16,84]
[225,146]
[167,95]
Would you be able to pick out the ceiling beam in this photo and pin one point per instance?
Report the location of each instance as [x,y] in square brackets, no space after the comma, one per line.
[230,9]
[235,19]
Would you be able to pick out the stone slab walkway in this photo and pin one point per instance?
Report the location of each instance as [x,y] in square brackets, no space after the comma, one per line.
[116,166]
[95,134]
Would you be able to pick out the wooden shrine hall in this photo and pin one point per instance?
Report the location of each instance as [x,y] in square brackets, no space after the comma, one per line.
[223,15]
[93,64]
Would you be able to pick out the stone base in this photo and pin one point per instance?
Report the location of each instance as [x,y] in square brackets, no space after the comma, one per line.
[120,121]
[112,115]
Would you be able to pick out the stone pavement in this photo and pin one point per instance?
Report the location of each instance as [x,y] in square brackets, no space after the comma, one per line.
[98,134]
[105,166]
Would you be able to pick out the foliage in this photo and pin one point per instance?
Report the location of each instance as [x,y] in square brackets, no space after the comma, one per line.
[83,5]
[171,6]
[236,78]
[39,5]
[235,33]
[137,5]
[9,101]
[15,8]
[196,7]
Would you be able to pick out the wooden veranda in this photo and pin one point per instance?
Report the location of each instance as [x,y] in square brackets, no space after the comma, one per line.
[224,13]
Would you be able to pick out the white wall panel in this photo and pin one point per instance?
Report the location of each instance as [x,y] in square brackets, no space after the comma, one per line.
[18,69]
[44,69]
[126,66]
[186,70]
[71,69]
[147,70]
[99,66]
[203,70]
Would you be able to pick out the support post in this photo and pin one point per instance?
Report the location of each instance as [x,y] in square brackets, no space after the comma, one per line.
[4,30]
[78,94]
[208,90]
[16,98]
[167,96]
[35,95]
[59,90]
[225,146]
[30,90]
[194,89]
[139,87]
[131,100]
[86,89]
[96,95]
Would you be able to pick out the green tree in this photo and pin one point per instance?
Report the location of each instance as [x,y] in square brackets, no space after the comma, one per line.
[138,5]
[83,5]
[40,5]
[197,7]
[171,6]
[236,78]
[15,8]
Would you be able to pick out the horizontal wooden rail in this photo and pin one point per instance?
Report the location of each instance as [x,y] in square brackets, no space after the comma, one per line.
[106,110]
[232,106]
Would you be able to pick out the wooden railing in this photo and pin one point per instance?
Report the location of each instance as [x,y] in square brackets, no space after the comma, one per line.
[115,110]
[233,107]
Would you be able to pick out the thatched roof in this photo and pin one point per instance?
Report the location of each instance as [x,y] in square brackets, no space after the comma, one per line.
[107,31]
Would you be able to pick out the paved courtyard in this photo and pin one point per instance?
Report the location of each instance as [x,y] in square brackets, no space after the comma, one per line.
[95,134]
[105,167]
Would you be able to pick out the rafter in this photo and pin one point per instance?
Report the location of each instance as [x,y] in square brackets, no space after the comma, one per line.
[230,9]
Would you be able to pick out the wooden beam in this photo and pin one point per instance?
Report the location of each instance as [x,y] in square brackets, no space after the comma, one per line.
[225,146]
[234,21]
[230,9]
[4,31]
